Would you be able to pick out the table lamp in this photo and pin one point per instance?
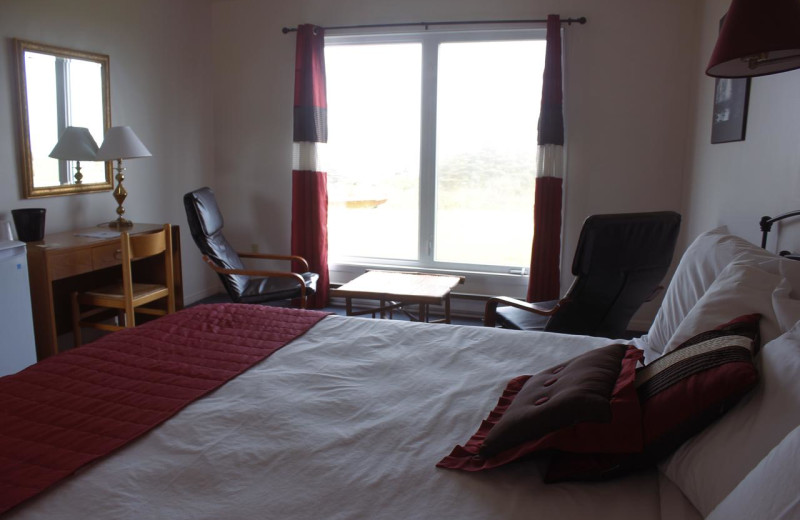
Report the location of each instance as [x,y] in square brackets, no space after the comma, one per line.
[75,144]
[121,143]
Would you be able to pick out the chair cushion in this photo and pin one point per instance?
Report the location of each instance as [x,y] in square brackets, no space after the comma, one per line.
[274,288]
[626,242]
[514,318]
[207,211]
[205,224]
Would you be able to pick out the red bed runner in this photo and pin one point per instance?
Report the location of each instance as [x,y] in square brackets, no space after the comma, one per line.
[74,408]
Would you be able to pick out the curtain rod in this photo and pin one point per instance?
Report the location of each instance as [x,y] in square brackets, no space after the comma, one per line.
[568,21]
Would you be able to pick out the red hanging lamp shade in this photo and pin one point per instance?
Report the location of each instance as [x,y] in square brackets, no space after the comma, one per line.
[758,37]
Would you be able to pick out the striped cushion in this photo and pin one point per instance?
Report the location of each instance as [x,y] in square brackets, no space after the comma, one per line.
[683,392]
[680,394]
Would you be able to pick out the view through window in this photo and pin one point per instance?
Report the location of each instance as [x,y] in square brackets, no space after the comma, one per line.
[432,147]
[69,88]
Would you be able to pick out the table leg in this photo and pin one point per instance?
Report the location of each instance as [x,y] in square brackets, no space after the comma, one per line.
[447,309]
[348,306]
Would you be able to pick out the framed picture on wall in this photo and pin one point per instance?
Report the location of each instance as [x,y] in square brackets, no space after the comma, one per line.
[730,110]
[731,96]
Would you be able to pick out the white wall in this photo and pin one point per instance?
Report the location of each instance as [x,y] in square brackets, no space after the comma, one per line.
[160,64]
[737,183]
[627,89]
[207,85]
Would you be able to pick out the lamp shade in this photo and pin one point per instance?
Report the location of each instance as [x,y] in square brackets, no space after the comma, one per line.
[75,144]
[758,37]
[121,143]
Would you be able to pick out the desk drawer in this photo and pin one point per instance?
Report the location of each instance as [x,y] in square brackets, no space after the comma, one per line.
[106,256]
[70,263]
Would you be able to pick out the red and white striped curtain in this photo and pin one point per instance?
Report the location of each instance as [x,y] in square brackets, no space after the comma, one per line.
[544,283]
[309,184]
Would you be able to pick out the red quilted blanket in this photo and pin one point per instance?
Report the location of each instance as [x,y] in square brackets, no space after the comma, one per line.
[74,408]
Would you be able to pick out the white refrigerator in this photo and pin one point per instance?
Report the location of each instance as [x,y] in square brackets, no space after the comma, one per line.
[17,344]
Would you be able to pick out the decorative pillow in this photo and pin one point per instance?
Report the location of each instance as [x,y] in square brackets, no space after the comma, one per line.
[680,394]
[738,290]
[770,490]
[699,266]
[710,465]
[587,404]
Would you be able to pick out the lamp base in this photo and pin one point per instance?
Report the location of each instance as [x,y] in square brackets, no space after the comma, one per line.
[120,223]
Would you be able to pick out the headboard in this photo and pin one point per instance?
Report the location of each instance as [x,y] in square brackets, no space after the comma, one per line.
[766,226]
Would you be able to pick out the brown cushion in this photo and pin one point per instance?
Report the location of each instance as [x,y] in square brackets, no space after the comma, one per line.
[577,391]
[587,404]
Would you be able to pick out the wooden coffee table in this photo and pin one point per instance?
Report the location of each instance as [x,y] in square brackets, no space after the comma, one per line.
[396,290]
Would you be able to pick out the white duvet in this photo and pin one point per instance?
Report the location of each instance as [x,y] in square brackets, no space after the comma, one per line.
[348,422]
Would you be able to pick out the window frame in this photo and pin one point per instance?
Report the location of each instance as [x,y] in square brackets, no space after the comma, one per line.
[513,277]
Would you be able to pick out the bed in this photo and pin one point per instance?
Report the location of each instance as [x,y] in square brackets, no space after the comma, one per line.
[349,420]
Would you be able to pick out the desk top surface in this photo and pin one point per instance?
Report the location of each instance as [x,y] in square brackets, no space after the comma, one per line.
[79,238]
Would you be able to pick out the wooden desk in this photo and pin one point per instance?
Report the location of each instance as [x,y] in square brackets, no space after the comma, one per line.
[65,262]
[399,289]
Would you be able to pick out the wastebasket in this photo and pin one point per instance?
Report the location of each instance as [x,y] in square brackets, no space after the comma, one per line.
[29,223]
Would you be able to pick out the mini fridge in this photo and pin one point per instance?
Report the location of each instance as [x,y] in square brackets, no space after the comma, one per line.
[17,344]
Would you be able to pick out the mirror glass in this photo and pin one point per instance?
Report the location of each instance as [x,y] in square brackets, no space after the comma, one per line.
[58,88]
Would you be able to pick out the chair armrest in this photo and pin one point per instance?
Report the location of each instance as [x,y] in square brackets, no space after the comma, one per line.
[258,272]
[266,256]
[490,312]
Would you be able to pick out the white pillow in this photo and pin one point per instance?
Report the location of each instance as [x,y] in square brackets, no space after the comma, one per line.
[790,270]
[710,465]
[738,290]
[770,490]
[705,258]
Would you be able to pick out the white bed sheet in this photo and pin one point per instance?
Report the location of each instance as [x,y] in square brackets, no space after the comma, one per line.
[348,422]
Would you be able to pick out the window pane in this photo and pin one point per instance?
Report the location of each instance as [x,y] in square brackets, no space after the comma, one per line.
[373,150]
[488,109]
[85,88]
[40,70]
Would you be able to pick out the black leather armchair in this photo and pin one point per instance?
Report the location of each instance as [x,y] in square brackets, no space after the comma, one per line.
[619,263]
[243,285]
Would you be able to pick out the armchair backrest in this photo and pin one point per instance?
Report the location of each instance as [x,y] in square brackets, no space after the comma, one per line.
[619,263]
[205,224]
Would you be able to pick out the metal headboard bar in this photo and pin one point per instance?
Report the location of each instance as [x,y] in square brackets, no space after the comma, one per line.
[766,225]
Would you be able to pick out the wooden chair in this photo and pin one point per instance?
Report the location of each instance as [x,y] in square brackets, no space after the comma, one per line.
[243,285]
[128,297]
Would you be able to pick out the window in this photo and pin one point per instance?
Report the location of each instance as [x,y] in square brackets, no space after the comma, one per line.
[432,147]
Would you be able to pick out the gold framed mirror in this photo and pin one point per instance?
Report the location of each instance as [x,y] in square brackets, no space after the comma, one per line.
[58,88]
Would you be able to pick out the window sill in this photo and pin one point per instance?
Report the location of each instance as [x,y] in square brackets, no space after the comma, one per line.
[477,284]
